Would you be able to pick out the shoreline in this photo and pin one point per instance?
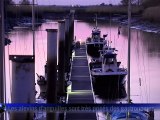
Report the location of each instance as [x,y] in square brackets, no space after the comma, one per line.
[137,22]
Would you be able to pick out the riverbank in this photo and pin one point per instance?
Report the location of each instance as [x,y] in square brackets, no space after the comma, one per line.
[139,23]
[142,18]
[93,9]
[24,21]
[152,14]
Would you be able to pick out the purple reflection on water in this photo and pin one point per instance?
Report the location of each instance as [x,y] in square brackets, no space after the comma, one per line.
[145,54]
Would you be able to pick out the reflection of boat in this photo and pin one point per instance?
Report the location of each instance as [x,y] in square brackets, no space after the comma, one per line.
[107,74]
[95,43]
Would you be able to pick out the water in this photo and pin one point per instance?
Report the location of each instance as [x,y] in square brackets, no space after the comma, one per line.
[145,55]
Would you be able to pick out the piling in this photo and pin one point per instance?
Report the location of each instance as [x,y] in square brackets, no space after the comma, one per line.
[61,58]
[23,84]
[67,46]
[61,64]
[71,30]
[51,69]
[69,37]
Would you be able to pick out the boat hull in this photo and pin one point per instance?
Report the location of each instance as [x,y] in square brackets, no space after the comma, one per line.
[93,49]
[109,86]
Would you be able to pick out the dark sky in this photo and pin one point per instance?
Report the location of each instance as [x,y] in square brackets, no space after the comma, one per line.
[74,2]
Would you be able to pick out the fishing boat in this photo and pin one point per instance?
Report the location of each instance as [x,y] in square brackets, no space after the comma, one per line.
[132,116]
[95,42]
[107,74]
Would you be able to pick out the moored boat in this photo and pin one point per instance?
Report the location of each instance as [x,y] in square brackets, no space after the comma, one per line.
[108,75]
[95,43]
[136,115]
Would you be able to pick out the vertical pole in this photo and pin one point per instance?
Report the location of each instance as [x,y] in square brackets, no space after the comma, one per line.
[33,25]
[69,36]
[61,57]
[23,84]
[129,47]
[1,54]
[71,29]
[51,69]
[67,45]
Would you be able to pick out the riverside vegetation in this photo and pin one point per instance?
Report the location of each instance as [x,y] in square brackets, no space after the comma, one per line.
[147,13]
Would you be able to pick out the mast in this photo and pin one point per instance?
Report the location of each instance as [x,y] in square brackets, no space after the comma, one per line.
[2,54]
[129,49]
[33,26]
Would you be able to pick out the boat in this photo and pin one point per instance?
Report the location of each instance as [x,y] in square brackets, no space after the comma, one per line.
[139,115]
[95,42]
[107,75]
[97,62]
[133,115]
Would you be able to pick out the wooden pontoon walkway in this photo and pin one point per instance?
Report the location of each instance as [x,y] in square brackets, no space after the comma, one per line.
[81,91]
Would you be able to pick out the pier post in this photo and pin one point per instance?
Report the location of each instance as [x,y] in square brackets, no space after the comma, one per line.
[23,84]
[61,57]
[67,46]
[51,69]
[71,30]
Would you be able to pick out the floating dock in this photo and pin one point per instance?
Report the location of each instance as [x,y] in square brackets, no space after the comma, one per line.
[81,88]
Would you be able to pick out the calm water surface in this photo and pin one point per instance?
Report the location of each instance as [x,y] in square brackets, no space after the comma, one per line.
[145,55]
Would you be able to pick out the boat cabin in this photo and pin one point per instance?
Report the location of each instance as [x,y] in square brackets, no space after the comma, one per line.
[96,34]
[109,62]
